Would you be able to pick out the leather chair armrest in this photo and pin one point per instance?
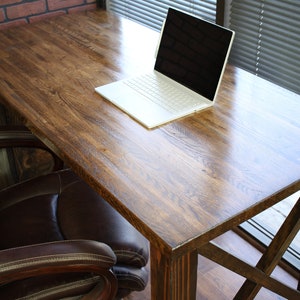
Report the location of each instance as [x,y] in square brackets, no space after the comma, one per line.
[57,257]
[20,136]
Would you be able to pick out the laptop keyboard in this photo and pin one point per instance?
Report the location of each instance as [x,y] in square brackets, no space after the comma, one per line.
[162,93]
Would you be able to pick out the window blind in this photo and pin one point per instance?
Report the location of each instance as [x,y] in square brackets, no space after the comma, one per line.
[151,13]
[267,40]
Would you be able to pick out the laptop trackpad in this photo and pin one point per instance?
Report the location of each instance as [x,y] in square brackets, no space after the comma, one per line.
[136,105]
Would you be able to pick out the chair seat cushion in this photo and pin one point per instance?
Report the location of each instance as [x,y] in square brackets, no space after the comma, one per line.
[82,213]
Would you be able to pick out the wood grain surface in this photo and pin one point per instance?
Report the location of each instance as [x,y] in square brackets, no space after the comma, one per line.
[181,184]
[192,177]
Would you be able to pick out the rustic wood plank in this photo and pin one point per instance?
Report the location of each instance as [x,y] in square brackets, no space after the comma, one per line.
[172,166]
[182,184]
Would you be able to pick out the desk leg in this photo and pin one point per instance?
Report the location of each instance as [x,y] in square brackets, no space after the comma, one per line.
[259,276]
[173,279]
[274,252]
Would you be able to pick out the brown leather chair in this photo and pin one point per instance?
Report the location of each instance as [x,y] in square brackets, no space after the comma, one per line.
[60,239]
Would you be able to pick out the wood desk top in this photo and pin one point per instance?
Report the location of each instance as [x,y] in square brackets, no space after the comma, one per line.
[181,184]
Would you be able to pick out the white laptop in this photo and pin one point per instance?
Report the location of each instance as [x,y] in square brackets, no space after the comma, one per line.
[190,62]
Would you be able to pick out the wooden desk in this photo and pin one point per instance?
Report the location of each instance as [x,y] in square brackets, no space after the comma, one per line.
[181,185]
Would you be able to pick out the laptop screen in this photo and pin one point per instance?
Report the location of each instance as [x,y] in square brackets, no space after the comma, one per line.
[193,52]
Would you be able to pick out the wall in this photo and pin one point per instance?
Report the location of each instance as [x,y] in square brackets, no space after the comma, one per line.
[20,12]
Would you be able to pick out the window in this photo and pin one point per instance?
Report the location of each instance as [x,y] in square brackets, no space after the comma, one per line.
[152,12]
[267,41]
